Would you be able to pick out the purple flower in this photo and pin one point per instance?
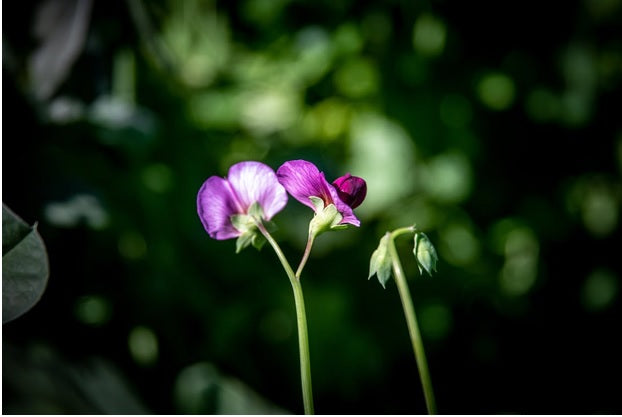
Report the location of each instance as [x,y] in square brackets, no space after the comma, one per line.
[303,180]
[351,190]
[247,183]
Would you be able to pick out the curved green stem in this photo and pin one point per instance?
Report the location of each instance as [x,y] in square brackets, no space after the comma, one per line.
[411,320]
[305,256]
[301,318]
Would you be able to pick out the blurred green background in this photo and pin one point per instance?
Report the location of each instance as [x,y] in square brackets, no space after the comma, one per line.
[494,126]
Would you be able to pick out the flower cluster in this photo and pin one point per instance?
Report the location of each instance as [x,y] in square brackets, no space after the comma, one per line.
[232,207]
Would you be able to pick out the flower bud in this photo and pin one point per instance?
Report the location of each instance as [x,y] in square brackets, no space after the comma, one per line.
[425,254]
[351,190]
[380,262]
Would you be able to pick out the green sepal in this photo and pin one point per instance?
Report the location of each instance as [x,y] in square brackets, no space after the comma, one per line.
[255,211]
[258,241]
[425,254]
[246,224]
[341,226]
[380,262]
[252,237]
[243,222]
[328,218]
[243,241]
[318,203]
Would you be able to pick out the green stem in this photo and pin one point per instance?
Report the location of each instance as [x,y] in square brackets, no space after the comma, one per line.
[305,256]
[301,317]
[411,320]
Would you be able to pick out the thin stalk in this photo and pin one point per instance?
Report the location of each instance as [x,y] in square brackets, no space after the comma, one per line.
[411,321]
[305,256]
[301,318]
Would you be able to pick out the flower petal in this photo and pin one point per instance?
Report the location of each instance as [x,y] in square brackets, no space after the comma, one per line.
[302,180]
[253,182]
[216,204]
[343,208]
[352,190]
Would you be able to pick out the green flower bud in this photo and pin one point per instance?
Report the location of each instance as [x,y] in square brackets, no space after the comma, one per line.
[425,254]
[380,262]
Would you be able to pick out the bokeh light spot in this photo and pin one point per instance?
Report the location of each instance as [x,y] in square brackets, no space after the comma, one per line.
[600,290]
[429,35]
[496,91]
[596,201]
[143,345]
[347,39]
[215,109]
[270,110]
[328,119]
[199,41]
[576,107]
[313,60]
[357,77]
[448,177]
[93,310]
[520,270]
[459,245]
[600,211]
[382,153]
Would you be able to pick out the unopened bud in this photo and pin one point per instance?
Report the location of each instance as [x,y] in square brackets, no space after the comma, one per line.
[351,190]
[425,254]
[380,262]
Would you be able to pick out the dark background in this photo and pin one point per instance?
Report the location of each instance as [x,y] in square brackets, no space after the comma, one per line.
[495,126]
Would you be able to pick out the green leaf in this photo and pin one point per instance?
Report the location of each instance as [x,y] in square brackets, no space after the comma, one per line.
[380,262]
[425,254]
[25,267]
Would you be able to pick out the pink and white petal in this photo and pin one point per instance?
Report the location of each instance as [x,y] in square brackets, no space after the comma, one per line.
[256,182]
[302,180]
[215,205]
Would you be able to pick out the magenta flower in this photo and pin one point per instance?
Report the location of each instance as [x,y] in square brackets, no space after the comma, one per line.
[351,190]
[303,180]
[247,183]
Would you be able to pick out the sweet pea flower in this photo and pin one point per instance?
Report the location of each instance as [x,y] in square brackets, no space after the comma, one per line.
[351,190]
[307,184]
[250,189]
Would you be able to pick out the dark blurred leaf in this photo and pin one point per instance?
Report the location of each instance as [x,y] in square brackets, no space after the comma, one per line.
[24,266]
[62,27]
[41,381]
[202,389]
